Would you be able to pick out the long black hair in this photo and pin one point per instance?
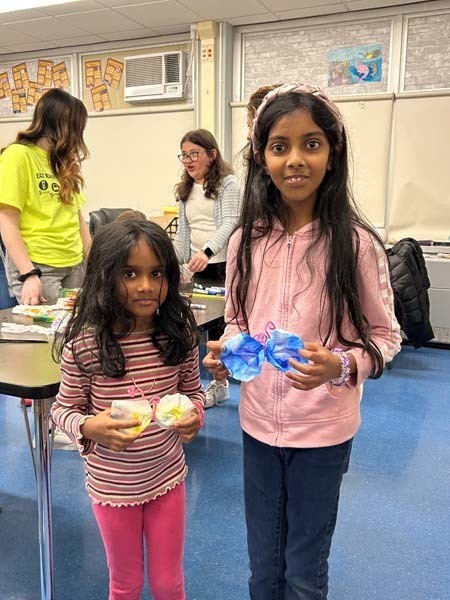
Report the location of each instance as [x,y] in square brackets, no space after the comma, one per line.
[335,211]
[98,306]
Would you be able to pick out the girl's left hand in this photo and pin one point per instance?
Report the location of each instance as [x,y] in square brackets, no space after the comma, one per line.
[323,365]
[188,427]
[198,262]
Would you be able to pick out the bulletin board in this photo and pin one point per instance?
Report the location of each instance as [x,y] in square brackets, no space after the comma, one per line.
[102,78]
[22,83]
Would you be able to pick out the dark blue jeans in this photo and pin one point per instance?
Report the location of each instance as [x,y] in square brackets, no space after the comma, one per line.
[291,502]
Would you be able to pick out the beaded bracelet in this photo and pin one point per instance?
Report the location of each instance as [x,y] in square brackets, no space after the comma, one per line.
[345,368]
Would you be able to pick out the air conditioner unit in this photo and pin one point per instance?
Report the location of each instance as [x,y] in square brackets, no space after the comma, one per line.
[154,77]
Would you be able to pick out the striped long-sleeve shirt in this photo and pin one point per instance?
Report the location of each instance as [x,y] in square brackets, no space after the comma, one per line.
[155,462]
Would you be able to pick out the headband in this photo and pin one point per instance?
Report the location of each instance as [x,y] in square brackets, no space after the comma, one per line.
[296,88]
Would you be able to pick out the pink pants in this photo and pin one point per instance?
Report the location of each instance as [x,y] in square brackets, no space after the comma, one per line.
[162,523]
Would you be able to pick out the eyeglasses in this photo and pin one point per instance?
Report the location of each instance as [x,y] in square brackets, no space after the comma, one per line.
[190,157]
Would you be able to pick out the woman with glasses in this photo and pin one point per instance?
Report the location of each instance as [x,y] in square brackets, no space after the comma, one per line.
[208,196]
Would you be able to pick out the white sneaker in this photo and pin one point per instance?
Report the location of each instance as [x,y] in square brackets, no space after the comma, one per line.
[216,393]
[61,441]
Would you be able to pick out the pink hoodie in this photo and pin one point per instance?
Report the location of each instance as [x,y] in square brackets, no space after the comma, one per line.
[282,290]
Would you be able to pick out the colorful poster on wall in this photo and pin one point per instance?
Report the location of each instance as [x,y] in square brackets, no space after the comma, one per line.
[44,73]
[113,73]
[60,75]
[92,73]
[5,88]
[35,92]
[360,64]
[100,98]
[20,76]
[19,101]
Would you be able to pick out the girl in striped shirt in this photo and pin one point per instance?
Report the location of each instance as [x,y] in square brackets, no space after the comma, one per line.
[132,335]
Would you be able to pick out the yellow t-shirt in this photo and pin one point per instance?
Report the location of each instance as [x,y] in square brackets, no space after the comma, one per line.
[49,228]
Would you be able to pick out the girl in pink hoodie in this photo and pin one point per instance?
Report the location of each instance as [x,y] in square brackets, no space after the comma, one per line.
[305,261]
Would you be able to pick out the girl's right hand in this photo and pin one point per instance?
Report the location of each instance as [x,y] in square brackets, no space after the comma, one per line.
[106,431]
[213,363]
[32,291]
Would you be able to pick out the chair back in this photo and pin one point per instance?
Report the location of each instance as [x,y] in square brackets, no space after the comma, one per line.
[102,216]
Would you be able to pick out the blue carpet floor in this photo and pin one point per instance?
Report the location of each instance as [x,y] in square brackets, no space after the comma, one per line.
[392,540]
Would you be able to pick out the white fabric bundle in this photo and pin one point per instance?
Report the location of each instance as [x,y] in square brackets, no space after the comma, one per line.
[132,409]
[172,408]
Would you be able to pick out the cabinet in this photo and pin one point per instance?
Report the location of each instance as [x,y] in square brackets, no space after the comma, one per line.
[439,273]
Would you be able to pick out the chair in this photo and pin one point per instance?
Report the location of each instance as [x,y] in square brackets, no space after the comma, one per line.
[168,222]
[102,216]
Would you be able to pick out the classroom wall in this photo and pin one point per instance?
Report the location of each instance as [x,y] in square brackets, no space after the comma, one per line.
[8,131]
[398,125]
[133,147]
[134,159]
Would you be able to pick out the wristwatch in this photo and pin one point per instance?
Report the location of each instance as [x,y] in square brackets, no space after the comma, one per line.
[35,271]
[208,252]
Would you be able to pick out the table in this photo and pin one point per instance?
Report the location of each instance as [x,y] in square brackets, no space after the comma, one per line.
[27,370]
[212,315]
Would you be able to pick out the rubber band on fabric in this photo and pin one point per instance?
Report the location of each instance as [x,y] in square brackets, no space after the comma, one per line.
[344,377]
[296,88]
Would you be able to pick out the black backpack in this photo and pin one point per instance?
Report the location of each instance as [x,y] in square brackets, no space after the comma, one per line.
[410,284]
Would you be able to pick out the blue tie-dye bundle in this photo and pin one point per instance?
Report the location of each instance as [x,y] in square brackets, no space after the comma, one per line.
[243,355]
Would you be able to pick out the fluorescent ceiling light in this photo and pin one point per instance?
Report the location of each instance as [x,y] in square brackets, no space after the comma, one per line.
[12,5]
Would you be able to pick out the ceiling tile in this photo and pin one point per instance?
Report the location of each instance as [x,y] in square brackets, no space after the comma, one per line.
[163,13]
[281,5]
[71,7]
[114,3]
[301,13]
[251,19]
[20,15]
[172,29]
[100,21]
[82,40]
[46,28]
[127,35]
[217,11]
[11,36]
[366,4]
[30,46]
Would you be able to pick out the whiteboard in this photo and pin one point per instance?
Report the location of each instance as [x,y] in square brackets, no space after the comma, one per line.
[368,124]
[420,199]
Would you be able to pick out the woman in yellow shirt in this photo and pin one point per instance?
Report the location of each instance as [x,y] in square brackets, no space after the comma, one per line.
[41,224]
